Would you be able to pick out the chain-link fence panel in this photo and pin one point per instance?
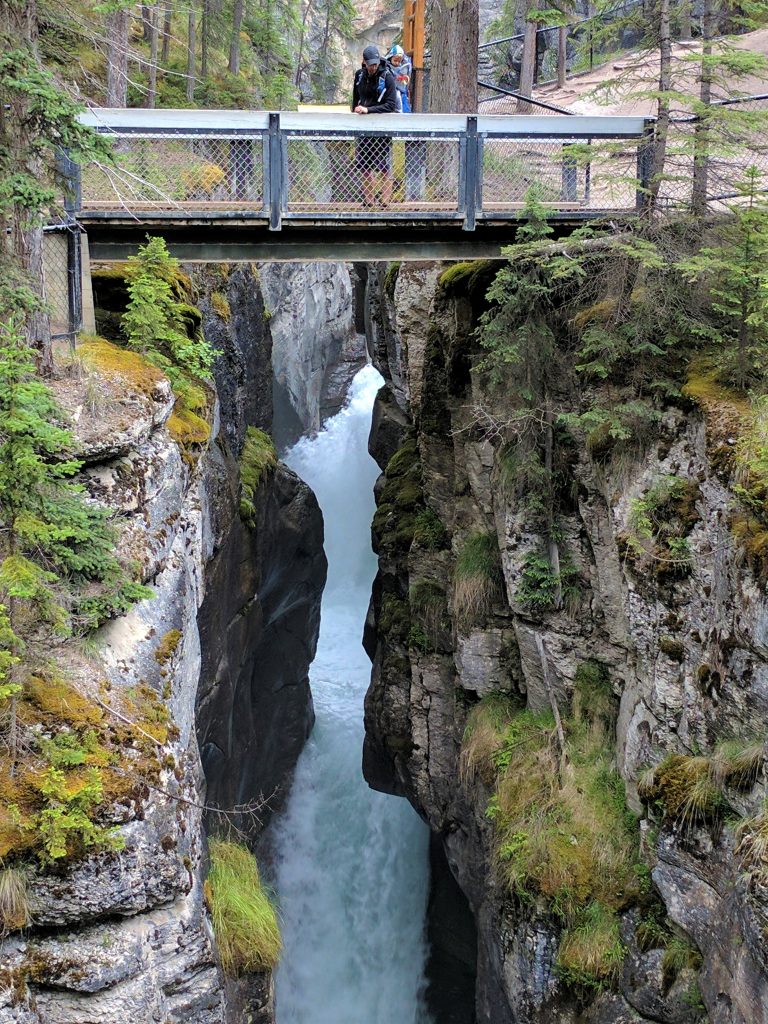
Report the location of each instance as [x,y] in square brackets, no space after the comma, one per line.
[179,172]
[369,172]
[730,139]
[588,43]
[563,175]
[56,280]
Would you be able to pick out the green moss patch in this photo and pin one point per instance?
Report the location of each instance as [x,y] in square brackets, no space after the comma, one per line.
[471,278]
[112,360]
[257,459]
[562,831]
[694,790]
[394,523]
[75,761]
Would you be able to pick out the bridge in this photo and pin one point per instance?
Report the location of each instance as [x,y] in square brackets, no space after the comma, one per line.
[254,185]
[230,185]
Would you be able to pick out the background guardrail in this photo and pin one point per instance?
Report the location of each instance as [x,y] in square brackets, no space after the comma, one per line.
[343,167]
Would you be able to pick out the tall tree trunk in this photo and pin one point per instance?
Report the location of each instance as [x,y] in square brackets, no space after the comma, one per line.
[685,22]
[302,40]
[166,51]
[528,64]
[191,43]
[21,240]
[662,114]
[454,42]
[234,46]
[117,58]
[205,38]
[154,15]
[701,131]
[146,23]
[562,55]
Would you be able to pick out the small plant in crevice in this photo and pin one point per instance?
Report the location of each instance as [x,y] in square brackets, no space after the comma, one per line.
[14,902]
[242,910]
[752,848]
[679,955]
[692,790]
[541,589]
[257,460]
[478,577]
[429,531]
[659,525]
[429,613]
[591,953]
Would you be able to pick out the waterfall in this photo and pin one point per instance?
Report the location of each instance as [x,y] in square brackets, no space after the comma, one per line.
[352,864]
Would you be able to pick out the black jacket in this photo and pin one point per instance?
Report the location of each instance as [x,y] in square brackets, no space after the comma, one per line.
[376,92]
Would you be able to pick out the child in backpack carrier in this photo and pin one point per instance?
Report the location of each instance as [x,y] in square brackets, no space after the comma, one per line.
[401,68]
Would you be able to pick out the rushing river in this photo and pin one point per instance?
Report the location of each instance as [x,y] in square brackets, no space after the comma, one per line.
[352,866]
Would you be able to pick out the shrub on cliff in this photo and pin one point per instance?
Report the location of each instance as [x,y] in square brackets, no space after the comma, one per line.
[563,834]
[243,914]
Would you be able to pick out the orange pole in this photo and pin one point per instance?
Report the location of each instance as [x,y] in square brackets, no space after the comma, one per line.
[413,44]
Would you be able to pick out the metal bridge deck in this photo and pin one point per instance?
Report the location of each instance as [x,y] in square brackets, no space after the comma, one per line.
[245,185]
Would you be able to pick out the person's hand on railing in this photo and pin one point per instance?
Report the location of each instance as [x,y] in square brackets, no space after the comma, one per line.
[360,110]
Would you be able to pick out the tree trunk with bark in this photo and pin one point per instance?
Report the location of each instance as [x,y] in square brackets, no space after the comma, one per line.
[663,107]
[562,56]
[191,43]
[454,42]
[166,50]
[117,58]
[234,46]
[21,240]
[205,32]
[154,16]
[528,63]
[701,131]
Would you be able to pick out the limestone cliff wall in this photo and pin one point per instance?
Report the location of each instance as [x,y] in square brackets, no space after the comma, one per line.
[224,647]
[686,657]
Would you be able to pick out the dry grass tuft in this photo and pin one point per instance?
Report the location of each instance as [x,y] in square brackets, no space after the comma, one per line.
[14,908]
[478,577]
[484,738]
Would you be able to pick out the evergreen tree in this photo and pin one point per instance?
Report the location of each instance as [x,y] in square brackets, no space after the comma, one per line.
[736,272]
[58,569]
[153,321]
[37,122]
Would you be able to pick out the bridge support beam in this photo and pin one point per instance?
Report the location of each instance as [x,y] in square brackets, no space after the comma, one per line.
[277,182]
[472,175]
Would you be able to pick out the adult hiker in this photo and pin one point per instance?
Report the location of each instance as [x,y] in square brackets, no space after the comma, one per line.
[374,92]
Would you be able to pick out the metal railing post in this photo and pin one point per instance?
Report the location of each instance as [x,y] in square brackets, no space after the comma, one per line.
[73,192]
[471,174]
[276,182]
[569,190]
[74,287]
[72,179]
[644,165]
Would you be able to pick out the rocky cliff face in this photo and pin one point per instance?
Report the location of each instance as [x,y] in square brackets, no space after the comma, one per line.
[219,655]
[316,347]
[683,651]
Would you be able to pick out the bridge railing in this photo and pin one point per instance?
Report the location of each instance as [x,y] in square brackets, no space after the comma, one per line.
[279,167]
